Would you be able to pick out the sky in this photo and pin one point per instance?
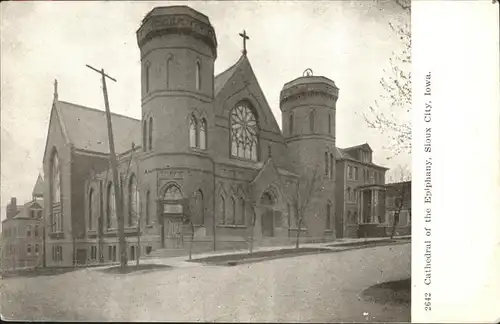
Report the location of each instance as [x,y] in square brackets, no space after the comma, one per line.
[348,42]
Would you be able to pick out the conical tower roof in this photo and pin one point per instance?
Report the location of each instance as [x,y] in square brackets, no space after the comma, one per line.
[38,188]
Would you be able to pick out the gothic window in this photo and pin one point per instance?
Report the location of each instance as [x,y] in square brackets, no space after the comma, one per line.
[311,121]
[146,76]
[348,194]
[326,163]
[148,203]
[91,208]
[198,75]
[150,133]
[172,193]
[328,216]
[222,210]
[241,212]
[28,231]
[37,230]
[331,166]
[167,74]
[290,123]
[349,219]
[232,212]
[145,135]
[193,127]
[55,180]
[198,208]
[203,134]
[111,208]
[329,123]
[354,218]
[243,133]
[133,200]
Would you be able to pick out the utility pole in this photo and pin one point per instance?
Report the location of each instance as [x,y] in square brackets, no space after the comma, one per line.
[114,169]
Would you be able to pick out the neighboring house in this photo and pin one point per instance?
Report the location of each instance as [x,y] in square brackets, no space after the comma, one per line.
[22,231]
[209,139]
[397,193]
[360,186]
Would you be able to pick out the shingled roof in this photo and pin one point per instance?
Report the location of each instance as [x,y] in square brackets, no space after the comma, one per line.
[86,128]
[222,78]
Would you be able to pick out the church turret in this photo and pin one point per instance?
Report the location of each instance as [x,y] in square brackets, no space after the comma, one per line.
[308,106]
[178,49]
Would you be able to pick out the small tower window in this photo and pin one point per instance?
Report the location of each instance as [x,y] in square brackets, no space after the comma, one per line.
[198,75]
[331,166]
[167,72]
[193,127]
[311,121]
[290,123]
[203,134]
[145,135]
[330,124]
[150,133]
[146,76]
[326,163]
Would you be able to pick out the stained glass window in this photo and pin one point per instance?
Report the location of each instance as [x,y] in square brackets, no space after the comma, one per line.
[111,210]
[56,180]
[244,133]
[133,196]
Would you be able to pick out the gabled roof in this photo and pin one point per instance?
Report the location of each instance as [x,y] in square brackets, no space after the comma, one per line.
[341,154]
[364,145]
[38,188]
[86,128]
[222,78]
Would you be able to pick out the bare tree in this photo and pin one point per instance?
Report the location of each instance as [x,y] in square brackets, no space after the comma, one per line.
[308,186]
[400,190]
[391,116]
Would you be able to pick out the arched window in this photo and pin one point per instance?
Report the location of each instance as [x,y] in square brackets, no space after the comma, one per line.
[148,203]
[172,193]
[349,219]
[232,212]
[354,218]
[145,135]
[329,123]
[348,194]
[146,76]
[28,231]
[328,216]
[133,200]
[311,120]
[203,134]
[167,72]
[244,132]
[222,210]
[198,75]
[331,166]
[91,208]
[198,207]
[326,163]
[290,123]
[193,129]
[240,212]
[150,133]
[55,180]
[111,208]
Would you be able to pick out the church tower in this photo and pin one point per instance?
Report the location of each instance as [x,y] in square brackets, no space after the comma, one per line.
[178,47]
[308,106]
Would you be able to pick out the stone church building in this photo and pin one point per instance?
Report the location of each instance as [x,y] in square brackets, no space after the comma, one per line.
[207,148]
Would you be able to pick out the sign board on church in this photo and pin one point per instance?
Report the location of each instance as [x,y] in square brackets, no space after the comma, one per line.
[172,209]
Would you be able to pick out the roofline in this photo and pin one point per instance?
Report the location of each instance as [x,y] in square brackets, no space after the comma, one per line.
[361,162]
[98,110]
[357,146]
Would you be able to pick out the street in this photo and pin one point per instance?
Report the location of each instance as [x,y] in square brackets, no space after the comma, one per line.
[311,288]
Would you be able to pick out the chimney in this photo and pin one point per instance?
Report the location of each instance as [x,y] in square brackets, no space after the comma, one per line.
[12,208]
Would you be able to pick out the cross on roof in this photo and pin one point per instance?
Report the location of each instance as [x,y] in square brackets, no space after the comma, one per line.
[245,37]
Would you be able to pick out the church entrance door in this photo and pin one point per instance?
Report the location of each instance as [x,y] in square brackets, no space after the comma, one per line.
[267,202]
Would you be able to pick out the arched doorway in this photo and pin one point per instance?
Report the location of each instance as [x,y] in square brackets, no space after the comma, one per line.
[267,202]
[172,211]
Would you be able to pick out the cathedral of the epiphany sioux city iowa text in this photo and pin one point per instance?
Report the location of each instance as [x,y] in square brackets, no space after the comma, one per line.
[207,147]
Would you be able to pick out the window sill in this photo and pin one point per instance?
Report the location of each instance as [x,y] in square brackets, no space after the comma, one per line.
[231,226]
[302,229]
[199,150]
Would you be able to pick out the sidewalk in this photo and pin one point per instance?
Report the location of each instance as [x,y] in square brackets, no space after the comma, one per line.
[337,245]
